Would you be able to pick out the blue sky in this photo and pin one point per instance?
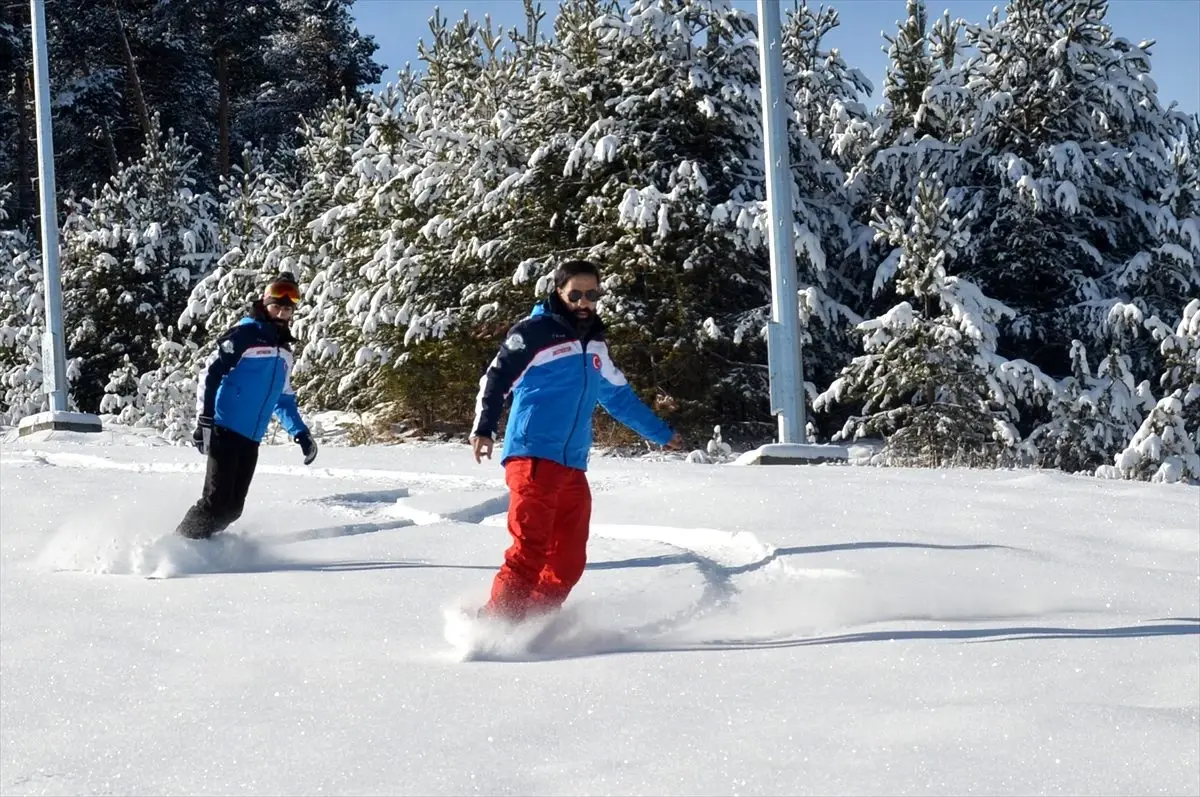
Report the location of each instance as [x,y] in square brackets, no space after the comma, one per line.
[397,25]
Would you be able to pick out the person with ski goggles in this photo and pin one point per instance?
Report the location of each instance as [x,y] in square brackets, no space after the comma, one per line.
[245,382]
[555,364]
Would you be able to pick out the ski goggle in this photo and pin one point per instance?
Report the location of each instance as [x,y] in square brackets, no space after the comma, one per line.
[282,293]
[592,296]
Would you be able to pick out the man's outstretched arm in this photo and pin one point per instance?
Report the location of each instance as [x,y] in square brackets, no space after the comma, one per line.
[619,400]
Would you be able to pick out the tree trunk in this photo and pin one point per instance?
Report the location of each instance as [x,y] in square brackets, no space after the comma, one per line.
[222,55]
[110,148]
[223,113]
[135,84]
[25,172]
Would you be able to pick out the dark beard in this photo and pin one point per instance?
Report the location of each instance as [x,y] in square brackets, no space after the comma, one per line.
[283,330]
[583,325]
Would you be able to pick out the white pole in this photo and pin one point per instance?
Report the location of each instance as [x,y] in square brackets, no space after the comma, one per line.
[783,341]
[54,362]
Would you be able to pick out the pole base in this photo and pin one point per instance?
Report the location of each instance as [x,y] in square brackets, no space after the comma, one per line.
[59,422]
[794,454]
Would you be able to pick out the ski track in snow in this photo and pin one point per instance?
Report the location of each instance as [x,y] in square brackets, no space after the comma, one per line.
[786,604]
[719,555]
[725,560]
[32,457]
[749,592]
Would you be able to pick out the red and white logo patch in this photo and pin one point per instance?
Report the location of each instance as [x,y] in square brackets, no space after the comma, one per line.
[596,361]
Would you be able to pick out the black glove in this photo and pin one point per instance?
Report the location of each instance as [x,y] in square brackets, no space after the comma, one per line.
[202,436]
[308,446]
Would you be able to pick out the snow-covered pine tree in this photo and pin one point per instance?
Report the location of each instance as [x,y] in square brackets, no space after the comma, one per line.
[1161,450]
[249,202]
[130,255]
[120,402]
[1166,272]
[318,238]
[22,321]
[1178,274]
[930,380]
[911,136]
[441,141]
[1180,353]
[163,398]
[344,352]
[1092,416]
[457,236]
[909,74]
[1066,153]
[634,140]
[379,238]
[917,123]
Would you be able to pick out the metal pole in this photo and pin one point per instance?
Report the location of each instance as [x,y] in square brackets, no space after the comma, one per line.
[54,362]
[783,339]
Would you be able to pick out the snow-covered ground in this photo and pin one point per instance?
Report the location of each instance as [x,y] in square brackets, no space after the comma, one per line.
[774,630]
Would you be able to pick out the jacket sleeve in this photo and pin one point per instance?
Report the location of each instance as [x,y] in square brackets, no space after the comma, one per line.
[230,348]
[498,381]
[286,409]
[619,400]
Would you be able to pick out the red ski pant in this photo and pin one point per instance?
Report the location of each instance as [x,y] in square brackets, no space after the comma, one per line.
[549,510]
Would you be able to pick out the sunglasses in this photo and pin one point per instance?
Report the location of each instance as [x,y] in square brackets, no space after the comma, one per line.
[592,296]
[289,292]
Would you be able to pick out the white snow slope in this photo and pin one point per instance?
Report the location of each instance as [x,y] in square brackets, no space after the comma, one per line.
[773,630]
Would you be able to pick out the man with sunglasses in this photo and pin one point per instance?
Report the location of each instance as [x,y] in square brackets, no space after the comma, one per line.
[245,381]
[556,366]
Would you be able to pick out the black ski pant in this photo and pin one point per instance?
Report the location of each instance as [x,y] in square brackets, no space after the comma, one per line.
[231,462]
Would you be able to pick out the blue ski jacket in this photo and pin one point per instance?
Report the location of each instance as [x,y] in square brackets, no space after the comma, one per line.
[248,379]
[555,379]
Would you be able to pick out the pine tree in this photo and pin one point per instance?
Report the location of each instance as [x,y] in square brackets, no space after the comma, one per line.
[17,165]
[120,401]
[930,380]
[249,202]
[1066,152]
[307,239]
[909,74]
[1180,373]
[221,73]
[1161,450]
[1091,416]
[22,322]
[915,129]
[163,398]
[130,256]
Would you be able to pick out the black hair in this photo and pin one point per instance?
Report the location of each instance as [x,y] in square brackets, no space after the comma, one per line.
[573,268]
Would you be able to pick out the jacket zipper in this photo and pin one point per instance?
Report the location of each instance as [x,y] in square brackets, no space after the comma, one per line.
[258,420]
[579,405]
